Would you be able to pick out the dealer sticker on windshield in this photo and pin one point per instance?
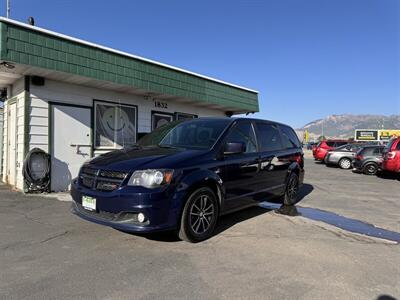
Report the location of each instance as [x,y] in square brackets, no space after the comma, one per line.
[89,203]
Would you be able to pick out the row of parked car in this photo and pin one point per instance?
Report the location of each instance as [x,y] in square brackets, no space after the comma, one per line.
[366,158]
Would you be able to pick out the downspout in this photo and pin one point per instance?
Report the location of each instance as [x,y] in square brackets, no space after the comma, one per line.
[27,105]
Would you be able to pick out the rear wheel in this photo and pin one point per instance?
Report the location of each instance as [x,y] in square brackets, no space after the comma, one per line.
[370,169]
[291,190]
[345,163]
[199,216]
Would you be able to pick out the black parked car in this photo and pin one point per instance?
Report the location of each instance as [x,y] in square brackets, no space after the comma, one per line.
[310,145]
[368,159]
[184,175]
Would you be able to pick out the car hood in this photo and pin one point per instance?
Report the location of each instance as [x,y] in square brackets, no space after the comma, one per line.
[152,157]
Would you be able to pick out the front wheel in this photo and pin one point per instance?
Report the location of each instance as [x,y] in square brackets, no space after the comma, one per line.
[291,190]
[345,163]
[199,216]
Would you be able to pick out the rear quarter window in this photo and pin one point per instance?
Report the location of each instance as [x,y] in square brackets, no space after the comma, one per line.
[330,144]
[289,137]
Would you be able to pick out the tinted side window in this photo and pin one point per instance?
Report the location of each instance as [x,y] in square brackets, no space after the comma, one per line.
[389,145]
[289,137]
[331,144]
[377,151]
[268,137]
[243,132]
[398,146]
[338,144]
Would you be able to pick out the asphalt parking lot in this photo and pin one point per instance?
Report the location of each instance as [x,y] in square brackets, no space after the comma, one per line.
[48,253]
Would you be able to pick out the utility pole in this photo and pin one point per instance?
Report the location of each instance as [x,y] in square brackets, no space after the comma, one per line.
[8,9]
[322,133]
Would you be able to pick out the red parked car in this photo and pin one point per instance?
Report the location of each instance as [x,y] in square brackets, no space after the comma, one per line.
[323,147]
[391,156]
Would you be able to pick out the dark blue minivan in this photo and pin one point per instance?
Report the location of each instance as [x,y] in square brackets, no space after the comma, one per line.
[185,174]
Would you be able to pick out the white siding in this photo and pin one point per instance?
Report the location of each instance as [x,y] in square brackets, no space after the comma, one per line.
[20,121]
[20,139]
[55,91]
[4,141]
[1,140]
[18,87]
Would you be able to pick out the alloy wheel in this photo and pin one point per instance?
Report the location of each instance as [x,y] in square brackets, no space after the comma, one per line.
[292,188]
[202,214]
[345,163]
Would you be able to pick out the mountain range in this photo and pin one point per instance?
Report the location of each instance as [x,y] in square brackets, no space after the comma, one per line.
[343,126]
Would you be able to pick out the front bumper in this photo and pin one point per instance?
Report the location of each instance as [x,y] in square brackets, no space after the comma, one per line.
[119,209]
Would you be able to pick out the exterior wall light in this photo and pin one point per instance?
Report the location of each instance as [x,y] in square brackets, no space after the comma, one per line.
[7,65]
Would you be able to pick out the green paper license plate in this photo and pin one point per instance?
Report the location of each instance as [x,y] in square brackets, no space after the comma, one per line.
[89,203]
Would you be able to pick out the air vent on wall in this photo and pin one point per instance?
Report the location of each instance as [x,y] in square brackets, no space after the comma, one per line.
[37,80]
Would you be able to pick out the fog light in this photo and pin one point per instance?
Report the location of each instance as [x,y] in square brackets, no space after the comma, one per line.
[141,217]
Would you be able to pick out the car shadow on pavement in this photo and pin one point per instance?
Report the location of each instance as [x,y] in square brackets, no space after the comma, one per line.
[385,297]
[388,175]
[229,220]
[305,190]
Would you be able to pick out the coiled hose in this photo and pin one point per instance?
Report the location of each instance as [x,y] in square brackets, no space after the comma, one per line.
[36,171]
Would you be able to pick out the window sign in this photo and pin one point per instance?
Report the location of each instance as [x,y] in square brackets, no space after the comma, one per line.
[115,125]
[184,116]
[160,119]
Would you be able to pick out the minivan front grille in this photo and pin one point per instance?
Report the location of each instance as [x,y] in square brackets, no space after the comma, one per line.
[102,180]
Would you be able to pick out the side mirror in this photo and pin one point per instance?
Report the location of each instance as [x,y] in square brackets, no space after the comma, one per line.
[234,148]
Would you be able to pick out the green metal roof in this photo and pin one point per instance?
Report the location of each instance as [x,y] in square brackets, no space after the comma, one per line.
[28,45]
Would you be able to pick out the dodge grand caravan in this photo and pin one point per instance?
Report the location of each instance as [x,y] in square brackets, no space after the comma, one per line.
[186,174]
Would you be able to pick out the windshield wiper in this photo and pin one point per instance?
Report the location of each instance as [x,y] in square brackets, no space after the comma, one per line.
[167,146]
[134,146]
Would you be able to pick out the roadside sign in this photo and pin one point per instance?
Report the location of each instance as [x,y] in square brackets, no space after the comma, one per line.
[306,136]
[366,135]
[385,135]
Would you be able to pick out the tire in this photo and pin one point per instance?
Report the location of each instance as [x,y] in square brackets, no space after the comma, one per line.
[199,216]
[345,163]
[370,169]
[291,190]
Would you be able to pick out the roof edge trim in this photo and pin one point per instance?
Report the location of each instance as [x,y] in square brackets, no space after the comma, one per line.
[76,40]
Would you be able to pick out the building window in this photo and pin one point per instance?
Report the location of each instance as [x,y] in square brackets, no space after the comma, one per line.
[184,116]
[159,119]
[115,125]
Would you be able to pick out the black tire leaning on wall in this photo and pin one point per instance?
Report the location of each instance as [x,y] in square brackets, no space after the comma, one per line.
[40,184]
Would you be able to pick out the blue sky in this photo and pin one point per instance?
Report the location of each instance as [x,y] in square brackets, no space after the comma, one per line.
[307,58]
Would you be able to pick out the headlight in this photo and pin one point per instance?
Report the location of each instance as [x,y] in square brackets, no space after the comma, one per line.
[151,178]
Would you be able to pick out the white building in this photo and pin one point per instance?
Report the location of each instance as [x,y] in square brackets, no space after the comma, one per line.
[75,99]
[1,140]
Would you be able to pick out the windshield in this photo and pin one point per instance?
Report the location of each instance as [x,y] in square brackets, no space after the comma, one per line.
[193,134]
